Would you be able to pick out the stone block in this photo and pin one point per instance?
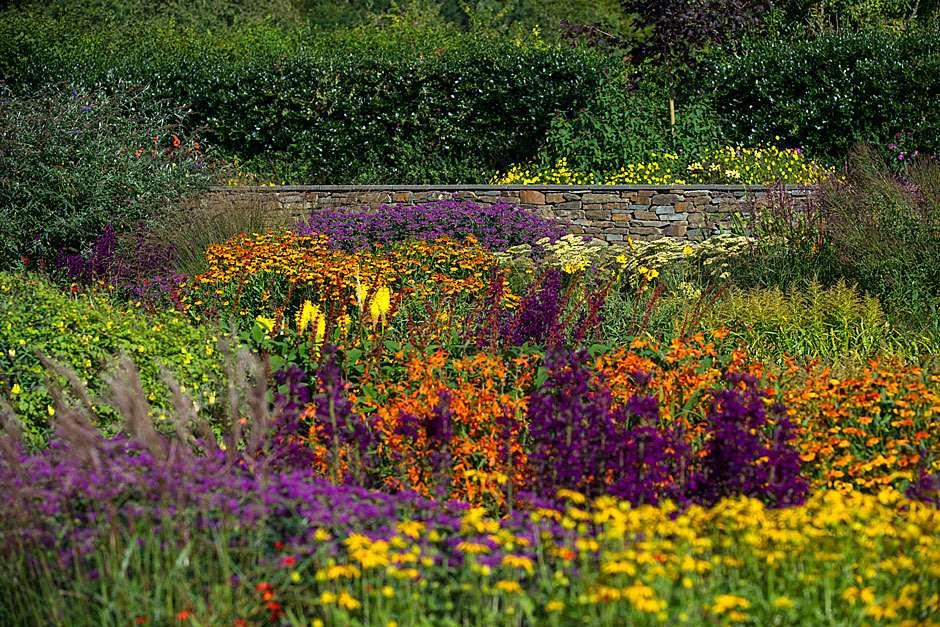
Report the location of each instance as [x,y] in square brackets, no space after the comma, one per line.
[554,197]
[645,215]
[676,217]
[568,206]
[677,230]
[600,198]
[665,199]
[532,197]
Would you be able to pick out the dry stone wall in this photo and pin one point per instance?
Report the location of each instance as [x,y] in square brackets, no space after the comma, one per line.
[613,213]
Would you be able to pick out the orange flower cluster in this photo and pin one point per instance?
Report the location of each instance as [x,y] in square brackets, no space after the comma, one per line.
[869,430]
[263,273]
[678,376]
[864,433]
[486,403]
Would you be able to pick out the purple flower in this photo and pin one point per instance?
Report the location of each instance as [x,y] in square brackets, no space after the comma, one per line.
[496,226]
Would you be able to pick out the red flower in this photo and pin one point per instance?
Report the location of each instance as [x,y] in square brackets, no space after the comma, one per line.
[140,620]
[183,615]
[240,622]
[289,560]
[278,546]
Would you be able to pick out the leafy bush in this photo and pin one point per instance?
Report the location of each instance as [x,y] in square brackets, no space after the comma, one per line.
[303,105]
[832,92]
[625,123]
[70,163]
[835,323]
[683,28]
[83,332]
[821,16]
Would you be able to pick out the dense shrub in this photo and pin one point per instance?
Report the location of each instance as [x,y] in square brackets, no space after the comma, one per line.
[885,229]
[83,332]
[833,323]
[72,162]
[359,106]
[832,92]
[821,16]
[624,124]
[682,28]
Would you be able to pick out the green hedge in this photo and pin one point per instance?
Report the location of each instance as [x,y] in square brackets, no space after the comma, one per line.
[831,93]
[73,161]
[85,332]
[321,107]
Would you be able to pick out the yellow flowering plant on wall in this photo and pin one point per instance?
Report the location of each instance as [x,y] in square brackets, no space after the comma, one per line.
[729,164]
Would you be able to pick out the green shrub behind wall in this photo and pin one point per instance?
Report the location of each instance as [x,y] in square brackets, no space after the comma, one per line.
[354,106]
[84,333]
[73,161]
[831,93]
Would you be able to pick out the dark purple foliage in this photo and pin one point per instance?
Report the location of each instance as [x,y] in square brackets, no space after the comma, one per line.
[338,425]
[143,275]
[925,488]
[738,459]
[496,226]
[538,317]
[580,440]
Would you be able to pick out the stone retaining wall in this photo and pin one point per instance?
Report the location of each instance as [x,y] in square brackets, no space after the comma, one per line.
[613,212]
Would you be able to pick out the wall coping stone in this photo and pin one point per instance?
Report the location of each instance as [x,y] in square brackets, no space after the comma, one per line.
[497,188]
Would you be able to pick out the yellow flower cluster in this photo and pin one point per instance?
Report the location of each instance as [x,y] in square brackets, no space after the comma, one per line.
[730,164]
[755,166]
[878,554]
[259,274]
[659,171]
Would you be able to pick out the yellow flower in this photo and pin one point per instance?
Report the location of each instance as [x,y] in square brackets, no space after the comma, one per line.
[348,601]
[295,577]
[554,606]
[266,323]
[725,602]
[381,303]
[16,389]
[310,316]
[518,561]
[327,597]
[388,592]
[783,603]
[506,585]
[688,250]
